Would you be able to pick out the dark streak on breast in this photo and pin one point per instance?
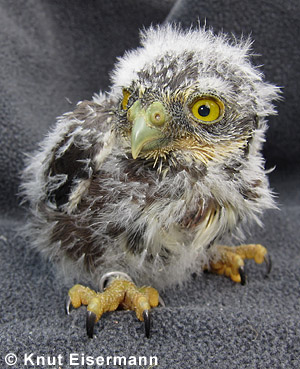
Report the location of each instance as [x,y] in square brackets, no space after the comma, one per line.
[195,216]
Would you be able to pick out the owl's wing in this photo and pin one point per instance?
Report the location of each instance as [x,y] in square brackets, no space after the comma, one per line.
[76,141]
[72,167]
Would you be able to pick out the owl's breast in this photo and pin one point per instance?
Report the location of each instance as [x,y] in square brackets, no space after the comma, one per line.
[133,219]
[151,215]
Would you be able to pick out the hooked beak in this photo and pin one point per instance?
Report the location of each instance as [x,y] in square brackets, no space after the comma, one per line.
[147,125]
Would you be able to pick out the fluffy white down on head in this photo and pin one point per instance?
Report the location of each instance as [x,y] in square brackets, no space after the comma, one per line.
[173,41]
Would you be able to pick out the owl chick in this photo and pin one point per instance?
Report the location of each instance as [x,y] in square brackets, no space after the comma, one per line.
[151,178]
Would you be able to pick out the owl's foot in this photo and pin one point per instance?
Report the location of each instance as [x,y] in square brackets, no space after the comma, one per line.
[231,260]
[120,292]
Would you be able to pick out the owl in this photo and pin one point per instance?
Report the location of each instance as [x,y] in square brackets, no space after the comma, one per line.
[148,183]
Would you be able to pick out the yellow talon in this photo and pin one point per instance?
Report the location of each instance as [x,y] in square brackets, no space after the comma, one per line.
[230,260]
[120,292]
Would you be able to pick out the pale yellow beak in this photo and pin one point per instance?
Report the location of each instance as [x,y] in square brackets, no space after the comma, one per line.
[147,127]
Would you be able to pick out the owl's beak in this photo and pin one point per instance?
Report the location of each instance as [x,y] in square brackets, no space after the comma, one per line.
[143,136]
[146,133]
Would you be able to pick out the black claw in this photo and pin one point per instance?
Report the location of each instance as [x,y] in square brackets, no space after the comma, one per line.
[268,262]
[146,316]
[242,275]
[68,305]
[90,323]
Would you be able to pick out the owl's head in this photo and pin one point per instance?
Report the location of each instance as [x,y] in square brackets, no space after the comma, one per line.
[190,96]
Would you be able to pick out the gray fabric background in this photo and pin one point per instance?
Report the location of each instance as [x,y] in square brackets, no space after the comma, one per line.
[54,53]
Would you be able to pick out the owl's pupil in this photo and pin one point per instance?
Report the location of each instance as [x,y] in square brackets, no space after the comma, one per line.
[204,110]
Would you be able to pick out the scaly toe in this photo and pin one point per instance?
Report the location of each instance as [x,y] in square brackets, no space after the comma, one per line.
[230,260]
[119,292]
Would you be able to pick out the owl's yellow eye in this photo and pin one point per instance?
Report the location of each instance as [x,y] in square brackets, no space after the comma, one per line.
[207,109]
[126,95]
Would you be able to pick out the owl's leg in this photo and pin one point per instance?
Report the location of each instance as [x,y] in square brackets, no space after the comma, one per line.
[230,260]
[120,292]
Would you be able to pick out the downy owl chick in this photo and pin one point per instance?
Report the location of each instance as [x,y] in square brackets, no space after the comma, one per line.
[149,178]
